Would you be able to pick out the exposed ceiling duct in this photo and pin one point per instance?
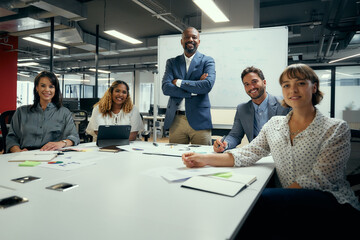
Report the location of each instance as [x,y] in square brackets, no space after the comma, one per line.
[162,13]
[317,30]
[31,18]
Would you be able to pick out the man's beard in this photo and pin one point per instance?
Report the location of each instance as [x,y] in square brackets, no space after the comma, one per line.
[190,50]
[261,92]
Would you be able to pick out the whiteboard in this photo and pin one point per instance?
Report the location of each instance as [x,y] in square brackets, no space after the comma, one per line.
[264,48]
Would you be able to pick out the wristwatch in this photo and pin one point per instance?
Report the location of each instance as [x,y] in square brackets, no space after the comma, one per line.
[64,142]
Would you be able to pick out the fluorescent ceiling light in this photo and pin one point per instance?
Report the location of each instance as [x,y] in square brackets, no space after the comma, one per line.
[99,70]
[340,59]
[76,80]
[27,64]
[24,75]
[122,36]
[106,79]
[340,73]
[35,40]
[25,59]
[210,9]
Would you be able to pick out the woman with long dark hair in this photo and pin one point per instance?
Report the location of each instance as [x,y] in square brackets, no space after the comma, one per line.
[115,108]
[44,125]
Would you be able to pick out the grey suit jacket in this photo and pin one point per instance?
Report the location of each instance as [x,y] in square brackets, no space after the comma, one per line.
[244,120]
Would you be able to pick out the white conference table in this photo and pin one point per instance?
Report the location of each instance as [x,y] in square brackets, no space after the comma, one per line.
[120,197]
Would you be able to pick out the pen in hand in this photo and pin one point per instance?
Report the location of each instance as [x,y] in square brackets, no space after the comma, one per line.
[222,140]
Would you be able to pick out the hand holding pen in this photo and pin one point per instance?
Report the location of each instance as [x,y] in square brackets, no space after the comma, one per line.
[220,145]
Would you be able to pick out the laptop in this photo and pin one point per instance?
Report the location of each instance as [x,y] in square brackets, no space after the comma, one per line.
[109,135]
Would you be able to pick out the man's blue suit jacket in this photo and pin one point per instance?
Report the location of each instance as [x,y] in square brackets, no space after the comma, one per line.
[244,120]
[197,107]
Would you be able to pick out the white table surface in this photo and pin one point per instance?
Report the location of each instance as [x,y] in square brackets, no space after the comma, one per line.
[117,198]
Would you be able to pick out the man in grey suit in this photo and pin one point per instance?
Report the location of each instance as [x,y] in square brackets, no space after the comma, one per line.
[251,116]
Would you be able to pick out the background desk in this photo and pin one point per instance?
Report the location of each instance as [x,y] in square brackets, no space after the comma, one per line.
[221,129]
[150,123]
[117,198]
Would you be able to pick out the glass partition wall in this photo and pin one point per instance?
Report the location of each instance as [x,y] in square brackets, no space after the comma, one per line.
[79,86]
[341,86]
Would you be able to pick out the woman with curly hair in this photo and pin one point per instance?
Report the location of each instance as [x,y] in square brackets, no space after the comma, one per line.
[115,108]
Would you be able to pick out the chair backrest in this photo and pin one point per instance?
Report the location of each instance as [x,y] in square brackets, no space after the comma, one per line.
[145,133]
[353,164]
[80,118]
[5,119]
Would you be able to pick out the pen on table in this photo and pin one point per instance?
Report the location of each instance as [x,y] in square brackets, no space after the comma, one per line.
[155,144]
[161,154]
[138,149]
[9,188]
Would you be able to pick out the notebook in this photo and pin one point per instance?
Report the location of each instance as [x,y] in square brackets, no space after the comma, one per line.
[109,135]
[111,148]
[33,156]
[219,185]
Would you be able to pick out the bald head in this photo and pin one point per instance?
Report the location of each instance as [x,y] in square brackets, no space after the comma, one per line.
[190,41]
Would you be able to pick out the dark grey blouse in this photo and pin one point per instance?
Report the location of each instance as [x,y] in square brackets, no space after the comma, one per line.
[34,128]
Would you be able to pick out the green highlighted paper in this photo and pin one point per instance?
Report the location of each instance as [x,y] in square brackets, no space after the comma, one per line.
[29,164]
[223,175]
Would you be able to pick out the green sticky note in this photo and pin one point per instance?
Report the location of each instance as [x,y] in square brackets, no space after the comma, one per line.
[223,175]
[29,164]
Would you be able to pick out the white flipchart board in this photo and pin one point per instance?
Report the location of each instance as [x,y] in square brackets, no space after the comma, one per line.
[264,48]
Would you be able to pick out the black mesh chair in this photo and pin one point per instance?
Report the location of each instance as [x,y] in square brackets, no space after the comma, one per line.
[353,171]
[80,118]
[5,119]
[146,133]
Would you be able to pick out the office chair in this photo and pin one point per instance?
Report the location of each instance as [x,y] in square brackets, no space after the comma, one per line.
[5,119]
[353,171]
[80,118]
[145,133]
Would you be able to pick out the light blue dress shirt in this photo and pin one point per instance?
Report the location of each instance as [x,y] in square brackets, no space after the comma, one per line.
[261,115]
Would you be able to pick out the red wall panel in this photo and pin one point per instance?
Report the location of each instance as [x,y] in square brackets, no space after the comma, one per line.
[8,72]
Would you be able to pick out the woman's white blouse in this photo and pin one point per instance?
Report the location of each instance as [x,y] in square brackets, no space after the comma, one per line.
[132,118]
[316,160]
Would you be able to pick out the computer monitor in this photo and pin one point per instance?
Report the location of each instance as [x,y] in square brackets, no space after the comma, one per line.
[87,104]
[161,111]
[71,103]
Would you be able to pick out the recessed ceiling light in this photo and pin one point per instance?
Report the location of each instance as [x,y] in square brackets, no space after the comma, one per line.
[212,10]
[122,36]
[344,58]
[27,64]
[24,75]
[35,40]
[25,59]
[99,70]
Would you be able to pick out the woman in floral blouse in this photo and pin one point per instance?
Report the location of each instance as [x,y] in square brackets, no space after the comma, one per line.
[310,153]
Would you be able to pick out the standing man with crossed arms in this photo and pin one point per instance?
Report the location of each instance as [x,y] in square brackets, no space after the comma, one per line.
[251,116]
[188,79]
